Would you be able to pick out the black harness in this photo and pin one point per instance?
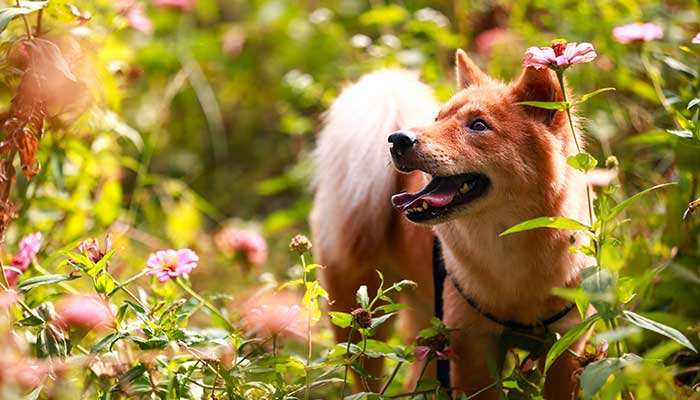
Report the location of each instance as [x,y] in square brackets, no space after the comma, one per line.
[439,275]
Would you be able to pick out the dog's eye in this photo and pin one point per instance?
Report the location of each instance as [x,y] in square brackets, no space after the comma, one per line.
[478,125]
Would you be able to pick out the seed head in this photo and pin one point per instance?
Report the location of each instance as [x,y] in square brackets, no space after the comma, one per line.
[300,243]
[362,317]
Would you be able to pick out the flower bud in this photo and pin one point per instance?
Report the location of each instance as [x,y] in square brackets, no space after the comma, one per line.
[362,317]
[300,243]
[611,162]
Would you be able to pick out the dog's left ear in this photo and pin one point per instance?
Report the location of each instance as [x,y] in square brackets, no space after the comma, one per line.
[466,71]
[539,85]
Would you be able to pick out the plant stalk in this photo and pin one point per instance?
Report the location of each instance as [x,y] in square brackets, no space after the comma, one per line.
[560,78]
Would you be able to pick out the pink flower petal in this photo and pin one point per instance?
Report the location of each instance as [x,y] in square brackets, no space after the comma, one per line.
[421,352]
[168,264]
[637,32]
[87,312]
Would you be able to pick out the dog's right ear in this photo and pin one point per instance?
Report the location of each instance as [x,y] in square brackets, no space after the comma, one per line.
[467,72]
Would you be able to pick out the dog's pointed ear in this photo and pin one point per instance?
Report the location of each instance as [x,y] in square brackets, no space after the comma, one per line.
[539,85]
[467,72]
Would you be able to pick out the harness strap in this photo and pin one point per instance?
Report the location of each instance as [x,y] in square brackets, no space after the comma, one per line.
[439,275]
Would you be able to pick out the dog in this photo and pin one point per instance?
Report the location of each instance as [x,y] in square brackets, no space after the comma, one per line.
[464,171]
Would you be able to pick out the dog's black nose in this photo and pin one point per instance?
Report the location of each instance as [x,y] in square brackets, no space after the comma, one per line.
[401,142]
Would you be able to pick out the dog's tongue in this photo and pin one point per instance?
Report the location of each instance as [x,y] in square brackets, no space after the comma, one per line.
[434,198]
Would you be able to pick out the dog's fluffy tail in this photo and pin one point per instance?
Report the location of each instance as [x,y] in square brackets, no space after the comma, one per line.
[354,177]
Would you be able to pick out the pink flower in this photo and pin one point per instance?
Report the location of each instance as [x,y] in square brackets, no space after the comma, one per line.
[168,264]
[251,244]
[87,312]
[560,55]
[31,373]
[696,39]
[28,248]
[12,274]
[422,352]
[600,176]
[233,41]
[7,298]
[135,14]
[274,314]
[637,32]
[490,38]
[182,5]
[91,249]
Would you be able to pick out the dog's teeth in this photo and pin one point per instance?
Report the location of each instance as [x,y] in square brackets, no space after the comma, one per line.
[425,205]
[464,188]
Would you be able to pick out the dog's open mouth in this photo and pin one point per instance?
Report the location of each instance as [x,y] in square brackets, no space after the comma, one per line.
[442,195]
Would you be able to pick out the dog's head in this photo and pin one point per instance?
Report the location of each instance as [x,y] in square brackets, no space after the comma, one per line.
[484,150]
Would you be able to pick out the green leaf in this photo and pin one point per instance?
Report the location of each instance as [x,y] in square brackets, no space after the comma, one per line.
[587,96]
[568,339]
[547,105]
[582,161]
[340,319]
[34,395]
[131,375]
[646,323]
[596,283]
[380,320]
[31,320]
[596,373]
[362,296]
[384,15]
[390,308]
[107,205]
[43,280]
[628,202]
[104,283]
[401,285]
[547,222]
[10,13]
[576,295]
[693,103]
[679,66]
[684,133]
[312,267]
[108,341]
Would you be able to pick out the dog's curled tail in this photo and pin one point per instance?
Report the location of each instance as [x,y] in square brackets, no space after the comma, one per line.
[354,178]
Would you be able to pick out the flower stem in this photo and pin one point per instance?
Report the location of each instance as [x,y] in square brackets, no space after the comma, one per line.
[347,366]
[560,78]
[654,78]
[127,282]
[206,303]
[27,27]
[307,392]
[422,372]
[391,377]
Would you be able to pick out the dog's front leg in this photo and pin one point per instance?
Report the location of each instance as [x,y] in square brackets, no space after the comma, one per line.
[475,345]
[562,382]
[475,365]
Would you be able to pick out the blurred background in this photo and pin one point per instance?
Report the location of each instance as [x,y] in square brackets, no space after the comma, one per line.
[201,114]
[190,123]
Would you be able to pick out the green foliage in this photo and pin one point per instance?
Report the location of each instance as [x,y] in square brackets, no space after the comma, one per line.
[170,138]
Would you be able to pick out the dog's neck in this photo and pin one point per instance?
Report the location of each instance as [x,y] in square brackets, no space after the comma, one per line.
[503,272]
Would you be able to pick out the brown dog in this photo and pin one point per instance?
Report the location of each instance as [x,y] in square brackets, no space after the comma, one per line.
[472,168]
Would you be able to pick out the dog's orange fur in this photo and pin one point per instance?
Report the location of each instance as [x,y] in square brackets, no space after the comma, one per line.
[524,155]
